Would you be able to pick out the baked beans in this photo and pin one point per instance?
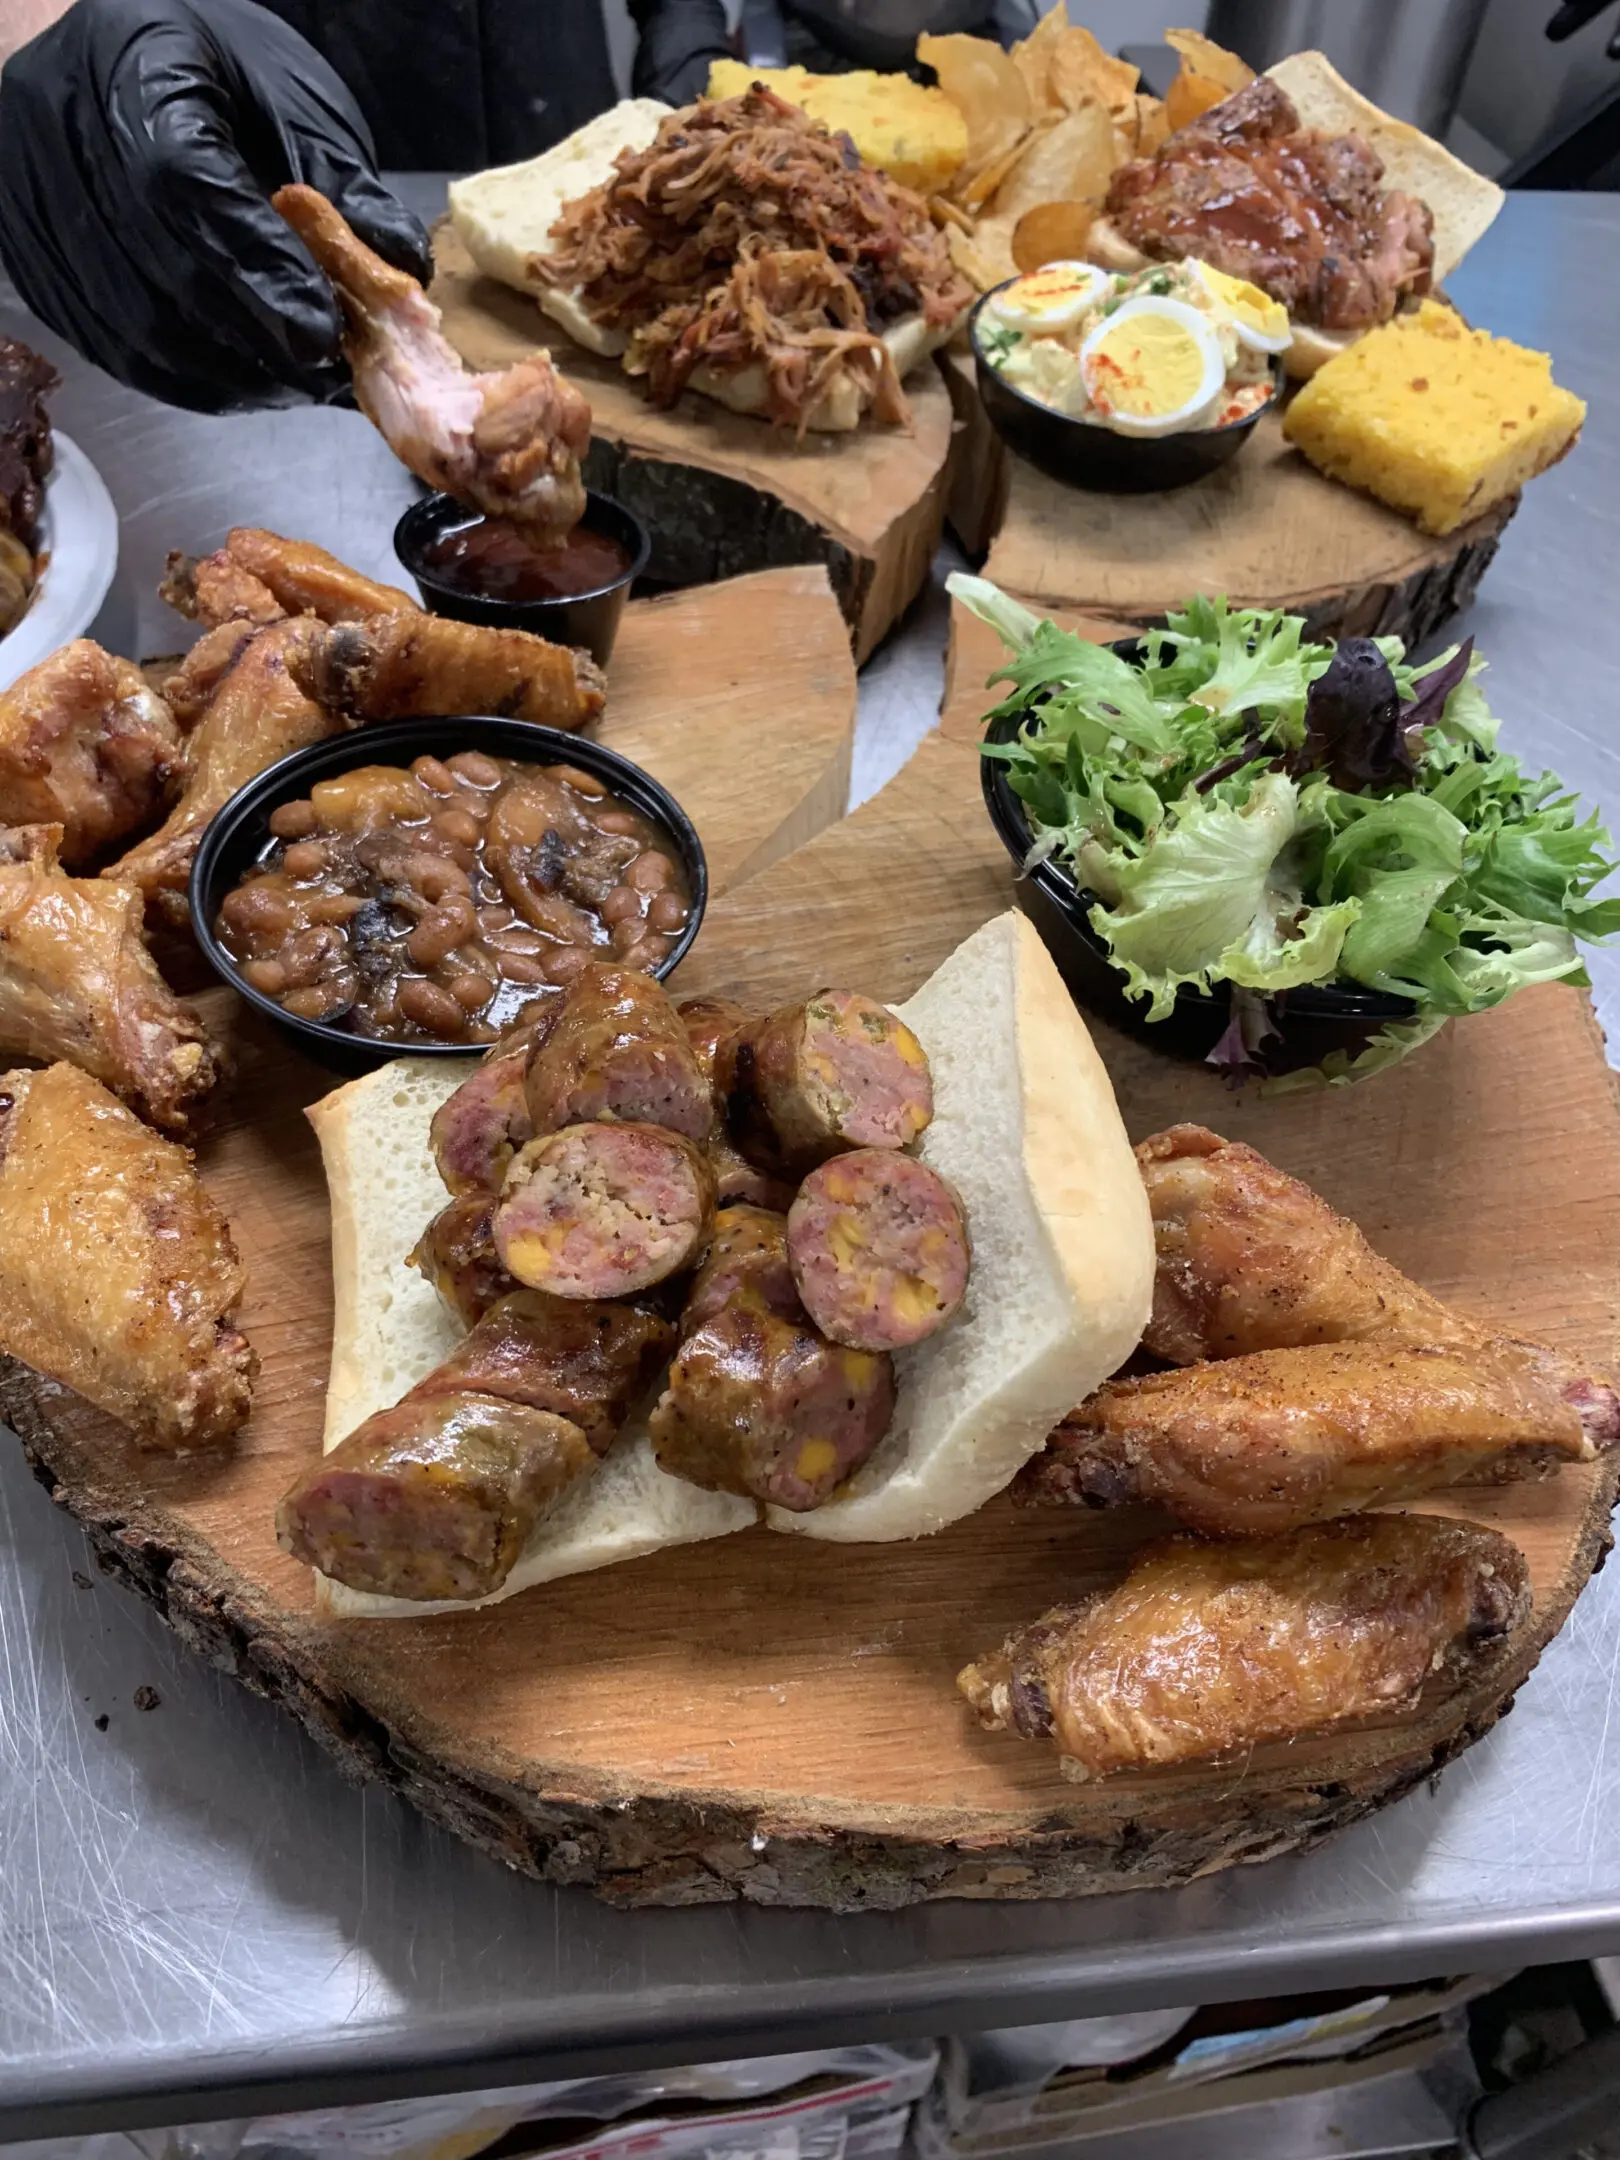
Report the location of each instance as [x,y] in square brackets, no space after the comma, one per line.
[436,901]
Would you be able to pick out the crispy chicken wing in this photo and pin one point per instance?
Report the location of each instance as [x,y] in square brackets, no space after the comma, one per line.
[85,744]
[118,1276]
[249,709]
[1205,1651]
[258,575]
[1251,1259]
[77,983]
[509,443]
[1246,1446]
[405,667]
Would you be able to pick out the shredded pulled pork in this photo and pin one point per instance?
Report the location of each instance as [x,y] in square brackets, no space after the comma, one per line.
[747,235]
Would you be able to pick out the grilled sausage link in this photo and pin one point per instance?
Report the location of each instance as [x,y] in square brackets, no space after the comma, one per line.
[601,1211]
[717,1028]
[584,1360]
[758,1402]
[879,1249]
[434,1498]
[617,1049]
[456,1252]
[840,1071]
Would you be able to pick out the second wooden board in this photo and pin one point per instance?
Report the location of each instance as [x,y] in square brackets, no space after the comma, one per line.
[1268,530]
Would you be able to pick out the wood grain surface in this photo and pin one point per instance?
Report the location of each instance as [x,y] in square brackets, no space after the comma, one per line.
[723,492]
[776,1719]
[1268,530]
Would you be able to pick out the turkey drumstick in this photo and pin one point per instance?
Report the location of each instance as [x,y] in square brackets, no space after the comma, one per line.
[507,442]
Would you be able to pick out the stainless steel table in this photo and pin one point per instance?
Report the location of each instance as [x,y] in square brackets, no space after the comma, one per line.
[198,1919]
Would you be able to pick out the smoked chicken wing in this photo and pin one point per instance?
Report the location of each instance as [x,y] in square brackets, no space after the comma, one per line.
[1251,1259]
[420,666]
[258,575]
[1206,1651]
[509,443]
[1252,1445]
[77,983]
[86,745]
[118,1276]
[249,709]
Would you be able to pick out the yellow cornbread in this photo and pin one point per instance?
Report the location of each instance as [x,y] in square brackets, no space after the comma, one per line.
[1434,418]
[915,135]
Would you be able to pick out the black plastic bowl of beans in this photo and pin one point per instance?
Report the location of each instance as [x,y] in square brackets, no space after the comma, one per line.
[415,889]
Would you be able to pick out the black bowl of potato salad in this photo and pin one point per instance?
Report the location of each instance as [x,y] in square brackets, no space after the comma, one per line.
[1128,383]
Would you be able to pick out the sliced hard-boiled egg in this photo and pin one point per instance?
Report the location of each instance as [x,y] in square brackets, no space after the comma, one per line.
[1260,322]
[1152,367]
[1051,298]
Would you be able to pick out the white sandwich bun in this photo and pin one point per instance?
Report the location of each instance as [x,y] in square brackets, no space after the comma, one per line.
[1025,1127]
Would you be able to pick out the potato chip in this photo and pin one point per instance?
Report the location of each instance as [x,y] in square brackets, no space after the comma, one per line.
[1052,232]
[1071,162]
[1081,70]
[1032,57]
[1204,57]
[985,86]
[1152,124]
[1191,94]
[985,255]
[974,189]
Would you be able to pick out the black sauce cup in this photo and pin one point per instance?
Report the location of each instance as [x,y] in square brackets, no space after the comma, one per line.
[590,619]
[1313,1021]
[1085,455]
[238,832]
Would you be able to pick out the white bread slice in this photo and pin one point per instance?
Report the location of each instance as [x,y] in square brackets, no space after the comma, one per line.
[504,217]
[389,1330]
[1027,1130]
[1461,202]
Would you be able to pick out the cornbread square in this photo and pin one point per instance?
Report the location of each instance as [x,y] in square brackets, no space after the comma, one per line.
[1434,418]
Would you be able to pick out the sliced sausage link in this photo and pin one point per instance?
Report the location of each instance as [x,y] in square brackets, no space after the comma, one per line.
[604,1210]
[840,1071]
[878,1245]
[435,1498]
[618,1050]
[456,1253]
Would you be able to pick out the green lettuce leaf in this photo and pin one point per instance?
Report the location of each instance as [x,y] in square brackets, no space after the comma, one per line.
[1282,955]
[1339,1069]
[1253,658]
[1195,890]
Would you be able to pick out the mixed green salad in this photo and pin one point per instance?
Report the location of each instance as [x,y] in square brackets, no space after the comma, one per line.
[1255,810]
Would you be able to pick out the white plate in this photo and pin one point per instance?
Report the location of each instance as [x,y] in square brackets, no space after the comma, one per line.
[78,533]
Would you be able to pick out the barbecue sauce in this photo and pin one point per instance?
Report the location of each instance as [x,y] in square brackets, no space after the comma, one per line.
[497,560]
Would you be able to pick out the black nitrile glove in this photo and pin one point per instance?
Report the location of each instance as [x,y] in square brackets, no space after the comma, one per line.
[140,141]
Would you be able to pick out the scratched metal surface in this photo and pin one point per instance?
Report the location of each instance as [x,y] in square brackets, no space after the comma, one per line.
[197,1918]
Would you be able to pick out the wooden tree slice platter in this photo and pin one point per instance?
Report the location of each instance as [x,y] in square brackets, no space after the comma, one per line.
[721,492]
[768,1718]
[1268,530]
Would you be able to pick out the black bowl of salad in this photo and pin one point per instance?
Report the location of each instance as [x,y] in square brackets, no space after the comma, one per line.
[1283,856]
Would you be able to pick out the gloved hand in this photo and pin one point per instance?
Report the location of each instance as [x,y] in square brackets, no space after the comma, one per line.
[676,41]
[140,141]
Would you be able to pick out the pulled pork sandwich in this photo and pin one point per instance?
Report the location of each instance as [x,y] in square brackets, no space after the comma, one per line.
[747,252]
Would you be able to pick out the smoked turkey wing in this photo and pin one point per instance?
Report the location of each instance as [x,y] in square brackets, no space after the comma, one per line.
[259,575]
[1302,214]
[1206,1651]
[508,442]
[85,744]
[1252,1259]
[1251,1445]
[420,666]
[250,709]
[77,983]
[118,1277]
